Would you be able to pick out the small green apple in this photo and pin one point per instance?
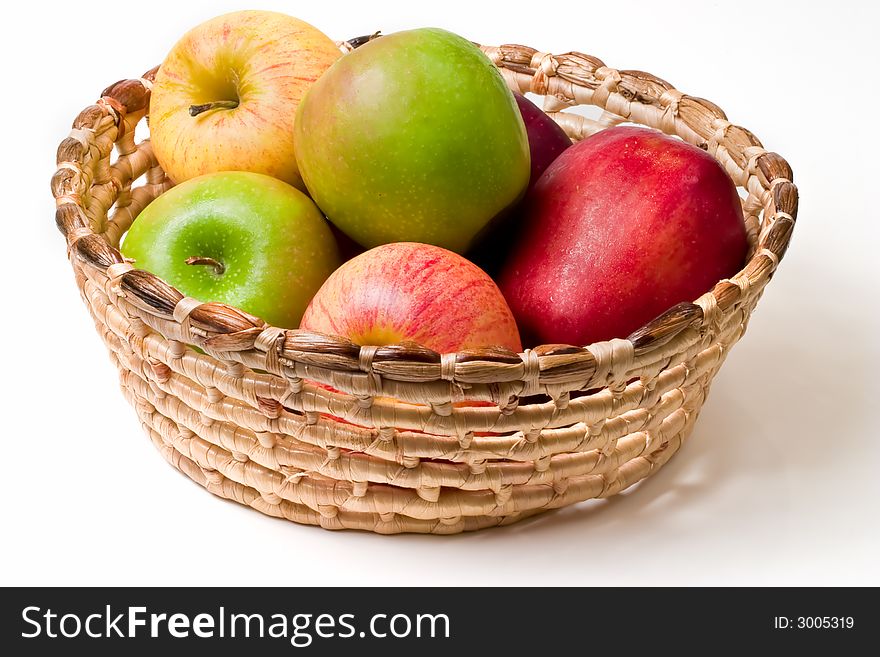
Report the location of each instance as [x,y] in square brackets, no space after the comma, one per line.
[412,137]
[244,239]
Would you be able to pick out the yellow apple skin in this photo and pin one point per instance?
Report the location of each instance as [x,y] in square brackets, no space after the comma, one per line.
[263,60]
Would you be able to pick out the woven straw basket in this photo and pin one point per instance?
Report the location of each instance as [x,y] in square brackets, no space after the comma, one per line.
[244,418]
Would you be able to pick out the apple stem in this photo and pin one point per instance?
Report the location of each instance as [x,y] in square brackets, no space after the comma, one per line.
[219,268]
[195,110]
[356,42]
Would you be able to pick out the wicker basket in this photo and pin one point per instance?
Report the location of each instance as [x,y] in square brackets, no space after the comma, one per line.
[244,419]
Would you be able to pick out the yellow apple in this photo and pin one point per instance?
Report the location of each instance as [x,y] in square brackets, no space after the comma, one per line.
[226,96]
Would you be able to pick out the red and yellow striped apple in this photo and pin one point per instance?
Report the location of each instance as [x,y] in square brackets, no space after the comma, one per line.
[622,226]
[226,96]
[407,291]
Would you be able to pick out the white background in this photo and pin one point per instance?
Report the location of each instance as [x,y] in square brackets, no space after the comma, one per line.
[780,482]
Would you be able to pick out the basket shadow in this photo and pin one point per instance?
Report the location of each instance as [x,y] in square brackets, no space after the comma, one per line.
[765,427]
[708,456]
[762,438]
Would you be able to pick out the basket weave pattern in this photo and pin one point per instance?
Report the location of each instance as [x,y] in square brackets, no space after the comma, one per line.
[246,420]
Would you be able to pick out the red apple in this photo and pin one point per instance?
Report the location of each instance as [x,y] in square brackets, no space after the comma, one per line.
[546,138]
[621,227]
[406,291]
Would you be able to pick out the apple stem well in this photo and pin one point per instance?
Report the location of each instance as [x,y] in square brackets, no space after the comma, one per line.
[195,110]
[218,267]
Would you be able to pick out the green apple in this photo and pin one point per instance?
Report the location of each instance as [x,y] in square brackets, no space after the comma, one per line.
[412,137]
[244,239]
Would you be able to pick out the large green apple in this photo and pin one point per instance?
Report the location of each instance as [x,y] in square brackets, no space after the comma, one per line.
[412,137]
[244,239]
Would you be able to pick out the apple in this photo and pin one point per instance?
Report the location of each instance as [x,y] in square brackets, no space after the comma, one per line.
[547,139]
[408,291]
[240,238]
[413,137]
[622,226]
[225,98]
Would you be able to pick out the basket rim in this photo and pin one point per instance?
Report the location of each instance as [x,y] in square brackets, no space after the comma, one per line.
[568,79]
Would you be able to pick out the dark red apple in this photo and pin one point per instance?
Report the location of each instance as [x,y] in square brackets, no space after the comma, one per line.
[348,248]
[546,139]
[622,226]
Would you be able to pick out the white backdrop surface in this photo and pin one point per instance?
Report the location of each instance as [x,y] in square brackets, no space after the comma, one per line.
[779,483]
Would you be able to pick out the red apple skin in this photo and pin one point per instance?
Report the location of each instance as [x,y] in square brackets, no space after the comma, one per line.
[547,139]
[622,226]
[407,291]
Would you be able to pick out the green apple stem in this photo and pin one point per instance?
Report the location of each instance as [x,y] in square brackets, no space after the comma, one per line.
[195,110]
[357,42]
[219,268]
